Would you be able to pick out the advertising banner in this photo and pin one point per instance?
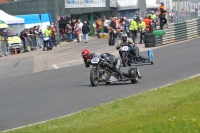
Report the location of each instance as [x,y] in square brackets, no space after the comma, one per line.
[113,3]
[84,3]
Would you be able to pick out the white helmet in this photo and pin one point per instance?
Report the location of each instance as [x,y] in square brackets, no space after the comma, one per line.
[48,26]
[124,35]
[162,3]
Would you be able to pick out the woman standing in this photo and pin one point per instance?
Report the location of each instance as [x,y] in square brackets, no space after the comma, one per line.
[77,31]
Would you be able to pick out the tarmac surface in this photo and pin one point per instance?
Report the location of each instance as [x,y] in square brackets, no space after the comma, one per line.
[42,85]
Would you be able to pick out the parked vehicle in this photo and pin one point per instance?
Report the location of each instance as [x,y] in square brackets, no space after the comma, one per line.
[112,37]
[13,39]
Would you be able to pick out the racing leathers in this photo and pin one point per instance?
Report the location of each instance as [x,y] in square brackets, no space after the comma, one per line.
[129,42]
[127,24]
[109,61]
[134,50]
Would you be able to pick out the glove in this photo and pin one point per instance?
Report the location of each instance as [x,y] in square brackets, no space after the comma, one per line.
[88,60]
[118,48]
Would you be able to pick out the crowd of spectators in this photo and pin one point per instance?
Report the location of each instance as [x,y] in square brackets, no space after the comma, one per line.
[33,37]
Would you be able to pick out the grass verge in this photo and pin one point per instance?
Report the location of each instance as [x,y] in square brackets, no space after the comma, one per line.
[175,108]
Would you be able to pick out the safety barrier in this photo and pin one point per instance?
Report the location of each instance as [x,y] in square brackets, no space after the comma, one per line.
[3,48]
[34,42]
[179,32]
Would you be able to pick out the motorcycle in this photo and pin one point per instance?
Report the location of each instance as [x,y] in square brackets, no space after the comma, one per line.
[121,32]
[128,58]
[47,43]
[112,37]
[99,73]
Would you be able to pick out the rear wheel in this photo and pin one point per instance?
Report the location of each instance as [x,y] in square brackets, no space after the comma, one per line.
[94,79]
[135,80]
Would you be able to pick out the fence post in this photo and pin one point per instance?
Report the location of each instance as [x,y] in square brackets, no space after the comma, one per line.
[102,29]
[91,24]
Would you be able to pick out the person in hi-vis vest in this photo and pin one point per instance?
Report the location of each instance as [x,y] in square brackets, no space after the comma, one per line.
[162,13]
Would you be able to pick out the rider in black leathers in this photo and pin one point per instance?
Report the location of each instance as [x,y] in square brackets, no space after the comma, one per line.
[109,61]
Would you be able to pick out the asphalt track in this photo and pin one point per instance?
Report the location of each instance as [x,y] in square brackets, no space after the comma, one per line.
[36,97]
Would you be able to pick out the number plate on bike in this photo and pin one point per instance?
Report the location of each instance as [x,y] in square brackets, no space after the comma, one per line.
[125,48]
[95,60]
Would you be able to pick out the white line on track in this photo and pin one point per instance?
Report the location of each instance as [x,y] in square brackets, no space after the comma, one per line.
[86,109]
[55,66]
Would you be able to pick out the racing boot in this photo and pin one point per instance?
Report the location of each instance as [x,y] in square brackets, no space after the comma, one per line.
[121,77]
[139,75]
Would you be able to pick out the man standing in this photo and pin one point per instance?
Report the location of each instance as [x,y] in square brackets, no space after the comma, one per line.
[69,31]
[73,24]
[142,27]
[133,29]
[54,30]
[23,36]
[99,26]
[147,22]
[162,13]
[153,17]
[127,24]
[85,31]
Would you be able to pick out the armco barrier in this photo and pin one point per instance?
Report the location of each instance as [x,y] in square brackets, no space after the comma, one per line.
[179,32]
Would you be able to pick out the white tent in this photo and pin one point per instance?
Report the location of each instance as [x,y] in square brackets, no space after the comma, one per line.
[9,19]
[17,24]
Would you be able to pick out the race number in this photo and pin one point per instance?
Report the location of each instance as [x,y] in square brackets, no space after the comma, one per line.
[125,48]
[95,60]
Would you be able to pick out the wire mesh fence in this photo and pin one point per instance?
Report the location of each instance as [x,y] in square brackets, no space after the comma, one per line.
[183,10]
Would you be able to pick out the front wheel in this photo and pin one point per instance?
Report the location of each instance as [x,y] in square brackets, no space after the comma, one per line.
[94,78]
[124,59]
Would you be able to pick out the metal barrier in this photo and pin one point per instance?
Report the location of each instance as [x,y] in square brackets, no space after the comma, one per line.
[184,10]
[34,42]
[179,32]
[3,48]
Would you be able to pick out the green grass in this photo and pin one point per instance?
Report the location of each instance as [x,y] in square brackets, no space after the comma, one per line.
[172,109]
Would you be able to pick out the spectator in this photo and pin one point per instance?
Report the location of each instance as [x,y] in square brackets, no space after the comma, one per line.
[54,29]
[162,14]
[99,26]
[147,22]
[4,34]
[73,24]
[85,31]
[80,24]
[37,35]
[69,31]
[23,35]
[77,31]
